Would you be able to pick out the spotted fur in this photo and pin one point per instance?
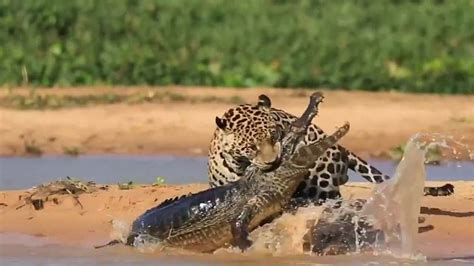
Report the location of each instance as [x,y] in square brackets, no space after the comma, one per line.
[242,128]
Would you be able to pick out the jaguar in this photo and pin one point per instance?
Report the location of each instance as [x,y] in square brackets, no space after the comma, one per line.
[241,128]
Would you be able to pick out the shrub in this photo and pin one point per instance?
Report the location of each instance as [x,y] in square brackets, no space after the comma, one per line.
[420,46]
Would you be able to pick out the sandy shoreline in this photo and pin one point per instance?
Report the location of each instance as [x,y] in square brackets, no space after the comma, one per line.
[63,220]
[185,128]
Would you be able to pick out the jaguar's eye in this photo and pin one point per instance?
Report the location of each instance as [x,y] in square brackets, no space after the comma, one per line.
[254,147]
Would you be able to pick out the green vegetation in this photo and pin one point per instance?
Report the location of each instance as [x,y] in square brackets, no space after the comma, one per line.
[463,119]
[126,186]
[72,151]
[31,148]
[160,181]
[37,101]
[40,102]
[434,155]
[408,45]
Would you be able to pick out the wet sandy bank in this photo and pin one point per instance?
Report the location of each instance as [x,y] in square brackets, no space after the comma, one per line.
[448,226]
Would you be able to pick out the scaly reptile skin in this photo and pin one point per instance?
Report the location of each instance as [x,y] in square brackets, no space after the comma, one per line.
[224,215]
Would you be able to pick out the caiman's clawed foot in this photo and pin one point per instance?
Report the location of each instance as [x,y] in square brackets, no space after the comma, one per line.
[240,234]
[445,190]
[242,243]
[240,227]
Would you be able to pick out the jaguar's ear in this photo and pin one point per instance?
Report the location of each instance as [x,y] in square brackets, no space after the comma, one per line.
[264,101]
[221,123]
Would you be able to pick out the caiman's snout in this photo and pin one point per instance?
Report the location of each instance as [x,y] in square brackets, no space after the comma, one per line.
[317,97]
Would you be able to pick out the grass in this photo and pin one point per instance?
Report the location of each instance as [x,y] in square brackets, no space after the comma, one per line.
[463,119]
[159,181]
[433,156]
[406,45]
[126,186]
[72,151]
[32,148]
[35,101]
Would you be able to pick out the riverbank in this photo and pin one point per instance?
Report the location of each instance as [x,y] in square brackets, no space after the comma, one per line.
[90,219]
[180,121]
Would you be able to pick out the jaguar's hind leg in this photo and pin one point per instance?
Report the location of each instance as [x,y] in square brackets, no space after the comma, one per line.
[324,178]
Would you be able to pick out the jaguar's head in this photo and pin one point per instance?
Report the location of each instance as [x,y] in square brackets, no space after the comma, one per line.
[248,131]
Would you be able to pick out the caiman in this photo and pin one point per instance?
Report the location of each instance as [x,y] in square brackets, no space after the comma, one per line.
[225,215]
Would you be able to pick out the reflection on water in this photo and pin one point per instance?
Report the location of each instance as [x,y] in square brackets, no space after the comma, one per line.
[21,172]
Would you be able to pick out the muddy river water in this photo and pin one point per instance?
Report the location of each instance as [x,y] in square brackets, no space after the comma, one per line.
[21,172]
[273,245]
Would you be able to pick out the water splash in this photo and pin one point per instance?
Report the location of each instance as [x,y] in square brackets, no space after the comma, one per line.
[283,236]
[286,235]
[394,206]
[120,230]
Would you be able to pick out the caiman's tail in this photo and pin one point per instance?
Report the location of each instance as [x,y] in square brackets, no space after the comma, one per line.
[111,243]
[130,241]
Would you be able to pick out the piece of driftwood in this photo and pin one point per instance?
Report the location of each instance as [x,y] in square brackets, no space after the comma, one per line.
[37,196]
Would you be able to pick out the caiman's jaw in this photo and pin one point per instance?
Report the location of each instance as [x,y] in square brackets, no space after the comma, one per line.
[270,156]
